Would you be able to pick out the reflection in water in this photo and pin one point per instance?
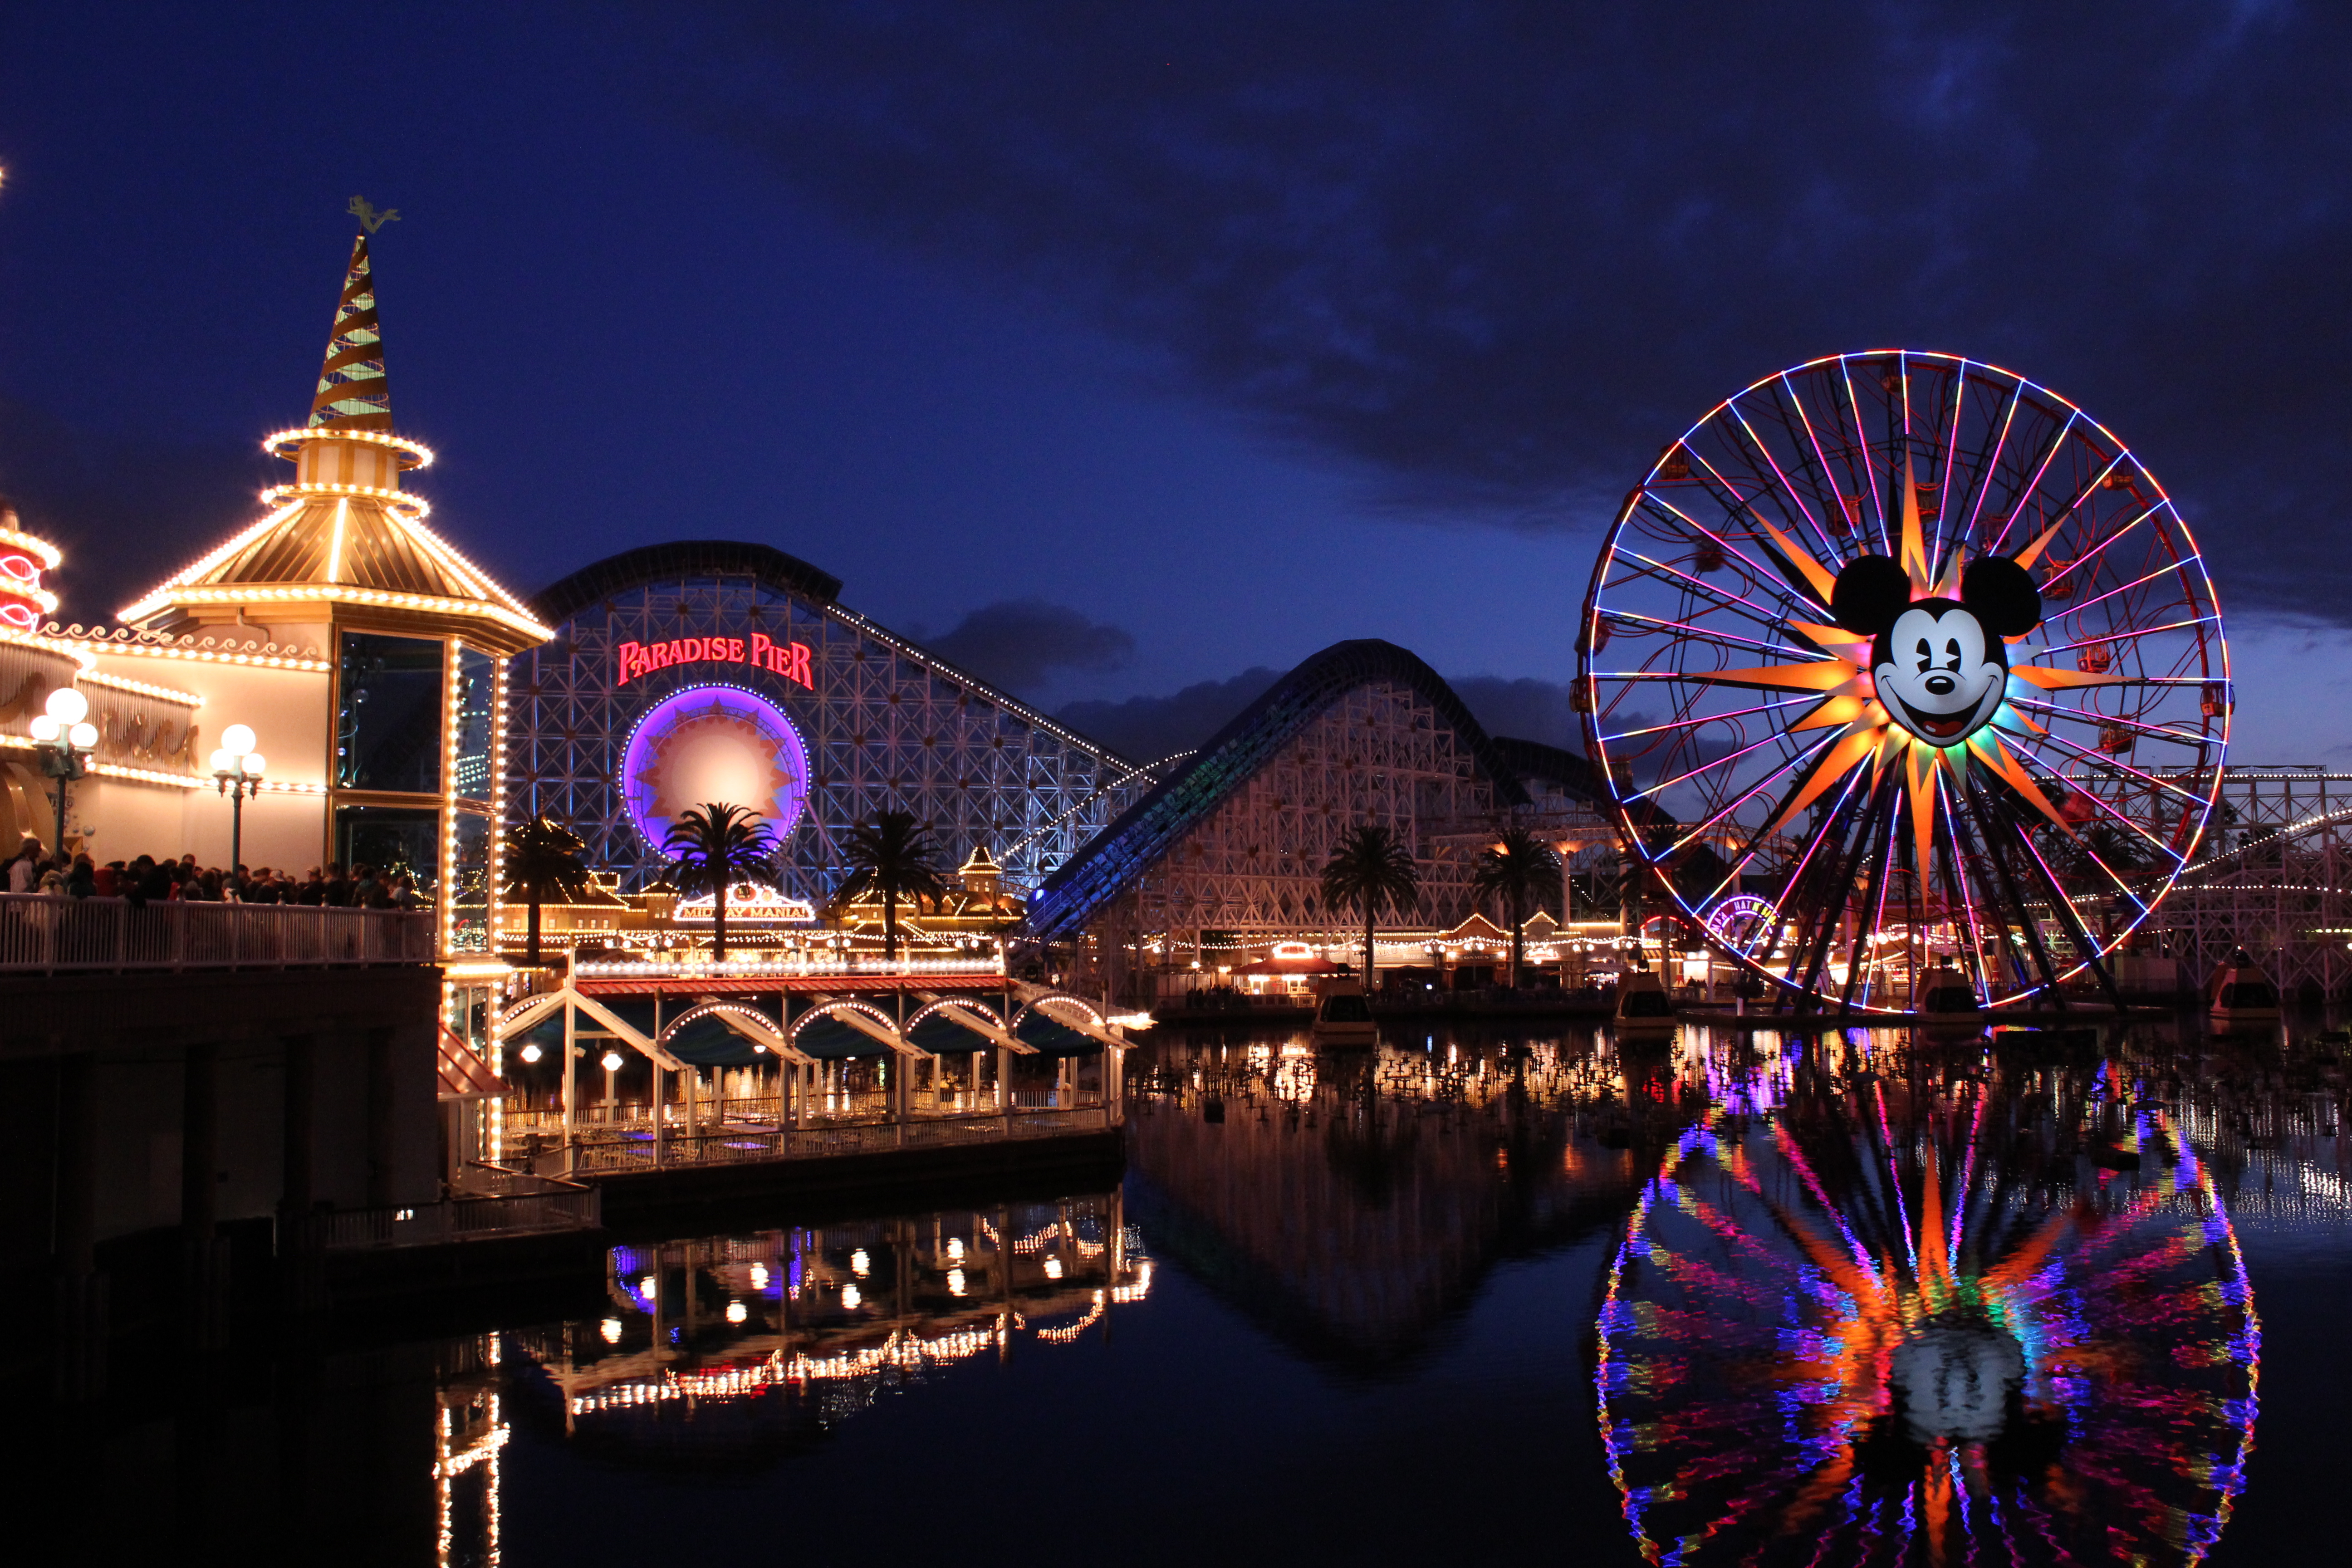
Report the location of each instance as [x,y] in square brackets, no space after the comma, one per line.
[1856,1303]
[1890,1308]
[727,1350]
[1353,1201]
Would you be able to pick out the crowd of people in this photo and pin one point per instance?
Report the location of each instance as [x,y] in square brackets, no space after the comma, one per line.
[145,880]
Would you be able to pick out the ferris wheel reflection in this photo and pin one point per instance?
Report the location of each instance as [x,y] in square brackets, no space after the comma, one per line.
[1946,1312]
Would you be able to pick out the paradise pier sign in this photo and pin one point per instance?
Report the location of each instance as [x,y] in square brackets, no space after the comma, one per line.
[789,660]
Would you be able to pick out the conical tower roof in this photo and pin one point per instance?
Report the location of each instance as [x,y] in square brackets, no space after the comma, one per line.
[344,537]
[354,393]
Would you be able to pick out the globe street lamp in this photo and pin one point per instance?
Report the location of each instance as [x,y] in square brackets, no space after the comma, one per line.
[611,1065]
[236,770]
[66,739]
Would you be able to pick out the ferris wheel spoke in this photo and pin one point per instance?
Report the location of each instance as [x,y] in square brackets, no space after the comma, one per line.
[1829,476]
[2092,554]
[2102,760]
[1788,488]
[1661,787]
[1708,633]
[1958,882]
[1807,699]
[1990,814]
[1761,615]
[2101,721]
[2164,570]
[2132,633]
[1757,569]
[1991,469]
[1869,472]
[1753,791]
[2057,445]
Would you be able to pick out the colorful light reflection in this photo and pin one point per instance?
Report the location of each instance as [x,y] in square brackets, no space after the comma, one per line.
[1891,1324]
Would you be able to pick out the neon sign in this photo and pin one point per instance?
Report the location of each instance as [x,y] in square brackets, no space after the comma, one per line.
[789,660]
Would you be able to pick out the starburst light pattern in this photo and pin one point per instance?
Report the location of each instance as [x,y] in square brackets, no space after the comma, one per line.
[1911,648]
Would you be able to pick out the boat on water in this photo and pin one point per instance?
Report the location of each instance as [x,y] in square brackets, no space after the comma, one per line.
[1344,1017]
[1948,1003]
[1644,1010]
[2239,996]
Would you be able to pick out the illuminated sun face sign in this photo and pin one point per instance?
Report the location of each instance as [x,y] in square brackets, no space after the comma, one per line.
[714,745]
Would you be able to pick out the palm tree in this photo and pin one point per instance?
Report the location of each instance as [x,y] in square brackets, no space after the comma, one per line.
[1371,867]
[892,856]
[716,845]
[1521,869]
[543,863]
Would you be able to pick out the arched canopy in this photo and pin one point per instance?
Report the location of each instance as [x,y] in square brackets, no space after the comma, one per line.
[824,1033]
[944,1028]
[1046,1026]
[721,1033]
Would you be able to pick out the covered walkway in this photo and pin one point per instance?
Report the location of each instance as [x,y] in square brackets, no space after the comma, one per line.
[720,1073]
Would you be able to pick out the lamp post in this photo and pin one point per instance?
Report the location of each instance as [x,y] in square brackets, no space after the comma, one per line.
[236,770]
[611,1065]
[66,739]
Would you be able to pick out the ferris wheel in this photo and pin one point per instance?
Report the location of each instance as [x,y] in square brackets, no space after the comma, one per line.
[1918,655]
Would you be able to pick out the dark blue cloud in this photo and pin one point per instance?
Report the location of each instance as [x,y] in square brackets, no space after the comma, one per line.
[1150,727]
[1023,644]
[1498,254]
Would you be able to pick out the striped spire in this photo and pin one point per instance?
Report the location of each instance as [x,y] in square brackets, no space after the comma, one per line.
[352,391]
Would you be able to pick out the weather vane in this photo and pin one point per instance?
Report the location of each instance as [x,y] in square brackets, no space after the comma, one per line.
[370,219]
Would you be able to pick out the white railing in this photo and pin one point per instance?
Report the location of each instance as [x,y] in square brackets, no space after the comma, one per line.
[45,933]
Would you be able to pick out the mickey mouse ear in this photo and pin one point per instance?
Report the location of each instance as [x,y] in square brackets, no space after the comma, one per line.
[1870,592]
[2001,594]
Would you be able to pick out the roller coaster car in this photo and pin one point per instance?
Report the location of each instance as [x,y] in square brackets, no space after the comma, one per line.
[2239,995]
[1644,1010]
[1344,1017]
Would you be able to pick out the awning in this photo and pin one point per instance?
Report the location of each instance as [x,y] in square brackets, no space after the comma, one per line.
[464,1075]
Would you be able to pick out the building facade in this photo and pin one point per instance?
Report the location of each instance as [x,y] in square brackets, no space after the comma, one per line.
[718,670]
[365,652]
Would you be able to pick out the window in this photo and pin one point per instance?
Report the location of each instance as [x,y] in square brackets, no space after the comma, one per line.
[469,885]
[477,685]
[398,841]
[388,727]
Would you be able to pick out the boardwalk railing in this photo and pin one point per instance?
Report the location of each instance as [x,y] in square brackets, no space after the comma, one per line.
[46,934]
[557,1206]
[751,1145]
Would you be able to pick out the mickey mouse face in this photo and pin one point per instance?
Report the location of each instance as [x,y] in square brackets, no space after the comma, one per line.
[1939,665]
[1942,683]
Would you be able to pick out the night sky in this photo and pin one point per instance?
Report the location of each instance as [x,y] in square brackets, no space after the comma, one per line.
[1130,352]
